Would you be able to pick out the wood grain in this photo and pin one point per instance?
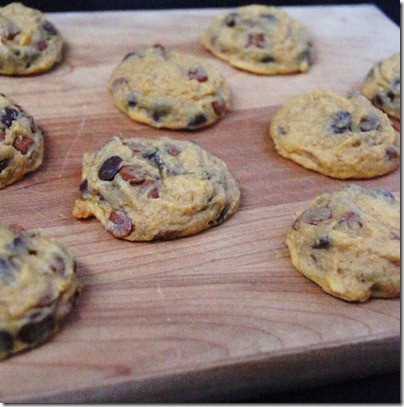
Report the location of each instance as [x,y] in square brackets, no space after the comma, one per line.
[219,313]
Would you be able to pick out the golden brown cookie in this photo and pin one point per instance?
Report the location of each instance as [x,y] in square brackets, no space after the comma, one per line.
[169,89]
[259,39]
[29,43]
[336,136]
[38,288]
[142,189]
[348,242]
[21,142]
[382,85]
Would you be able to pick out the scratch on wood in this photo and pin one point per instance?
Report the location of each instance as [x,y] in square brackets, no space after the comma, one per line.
[160,291]
[78,135]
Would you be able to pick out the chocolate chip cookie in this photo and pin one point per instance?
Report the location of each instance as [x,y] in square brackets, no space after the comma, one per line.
[38,288]
[21,142]
[260,39]
[29,43]
[336,136]
[348,242]
[168,89]
[142,189]
[382,85]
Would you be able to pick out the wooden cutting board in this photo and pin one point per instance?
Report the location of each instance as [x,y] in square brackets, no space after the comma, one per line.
[220,314]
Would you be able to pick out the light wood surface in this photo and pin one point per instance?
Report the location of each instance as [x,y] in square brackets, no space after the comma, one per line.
[221,313]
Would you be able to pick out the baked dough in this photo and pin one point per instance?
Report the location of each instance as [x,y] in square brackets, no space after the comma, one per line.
[348,242]
[38,288]
[168,89]
[29,43]
[382,86]
[21,142]
[336,136]
[260,39]
[143,189]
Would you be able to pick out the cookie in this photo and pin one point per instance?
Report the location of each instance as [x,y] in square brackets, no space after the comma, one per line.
[38,288]
[348,242]
[259,39]
[29,43]
[169,89]
[336,136]
[21,142]
[142,189]
[382,85]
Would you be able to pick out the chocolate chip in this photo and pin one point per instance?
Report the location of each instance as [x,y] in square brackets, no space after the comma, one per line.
[391,96]
[3,164]
[154,193]
[49,27]
[162,51]
[120,225]
[7,270]
[131,100]
[84,187]
[350,220]
[9,115]
[153,156]
[392,153]
[109,168]
[385,194]
[230,19]
[17,244]
[6,342]
[369,123]
[134,174]
[23,144]
[42,45]
[341,122]
[58,266]
[322,243]
[256,40]
[316,215]
[377,100]
[267,59]
[269,17]
[198,74]
[197,120]
[172,150]
[35,332]
[219,106]
[160,111]
[221,217]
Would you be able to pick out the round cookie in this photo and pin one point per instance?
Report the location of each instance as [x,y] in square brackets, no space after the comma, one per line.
[348,242]
[169,89]
[29,43]
[21,142]
[259,39]
[336,136]
[38,288]
[382,85]
[142,189]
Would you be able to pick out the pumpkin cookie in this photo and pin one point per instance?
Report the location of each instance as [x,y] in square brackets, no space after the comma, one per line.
[21,142]
[169,89]
[29,43]
[142,189]
[260,39]
[336,136]
[382,86]
[348,242]
[38,288]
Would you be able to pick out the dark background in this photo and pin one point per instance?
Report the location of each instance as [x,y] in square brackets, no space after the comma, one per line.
[375,389]
[390,7]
